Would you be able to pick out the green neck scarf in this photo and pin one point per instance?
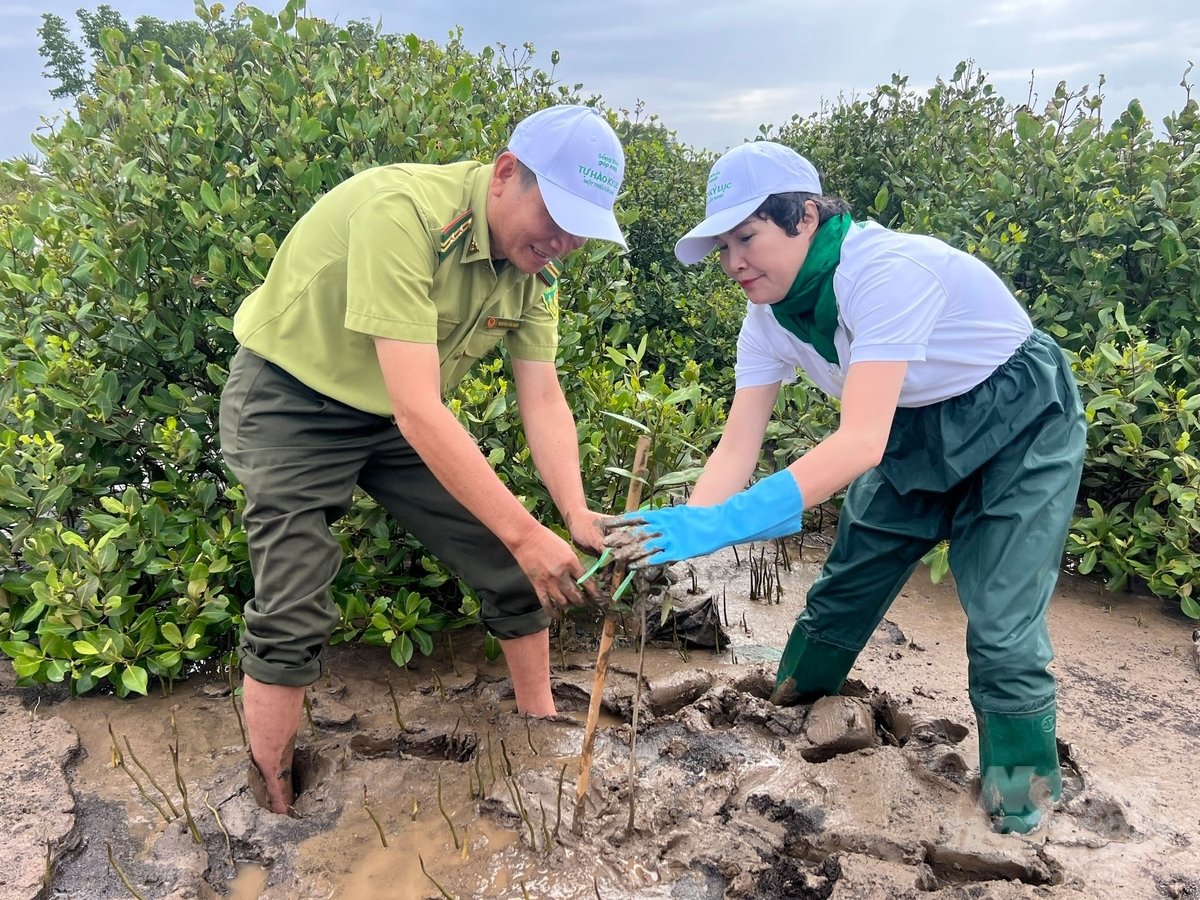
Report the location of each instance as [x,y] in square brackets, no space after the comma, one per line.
[809,310]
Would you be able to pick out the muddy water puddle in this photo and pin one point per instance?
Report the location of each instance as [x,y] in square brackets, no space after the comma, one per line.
[729,796]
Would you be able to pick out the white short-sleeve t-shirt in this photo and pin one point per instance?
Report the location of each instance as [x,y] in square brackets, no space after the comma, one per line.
[900,297]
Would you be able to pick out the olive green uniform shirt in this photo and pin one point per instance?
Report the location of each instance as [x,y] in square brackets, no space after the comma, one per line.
[397,252]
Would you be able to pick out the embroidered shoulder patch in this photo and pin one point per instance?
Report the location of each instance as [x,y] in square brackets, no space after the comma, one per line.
[453,233]
[549,276]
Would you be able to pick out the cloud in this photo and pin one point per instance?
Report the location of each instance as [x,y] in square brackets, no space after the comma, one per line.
[1094,31]
[20,11]
[1042,73]
[1007,11]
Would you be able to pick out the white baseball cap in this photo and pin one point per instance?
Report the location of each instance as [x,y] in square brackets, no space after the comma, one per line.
[579,165]
[738,183]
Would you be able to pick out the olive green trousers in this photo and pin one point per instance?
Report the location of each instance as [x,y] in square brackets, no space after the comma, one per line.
[299,456]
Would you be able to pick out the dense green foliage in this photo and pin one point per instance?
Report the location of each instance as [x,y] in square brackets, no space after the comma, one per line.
[159,204]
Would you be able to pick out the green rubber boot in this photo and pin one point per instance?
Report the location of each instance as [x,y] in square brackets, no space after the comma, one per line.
[810,669]
[1018,768]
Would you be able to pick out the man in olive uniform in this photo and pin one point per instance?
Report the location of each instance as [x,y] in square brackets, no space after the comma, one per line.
[380,299]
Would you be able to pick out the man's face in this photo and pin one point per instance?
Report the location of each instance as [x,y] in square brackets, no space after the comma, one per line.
[521,228]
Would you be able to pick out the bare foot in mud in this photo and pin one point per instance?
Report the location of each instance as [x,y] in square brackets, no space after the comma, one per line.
[280,800]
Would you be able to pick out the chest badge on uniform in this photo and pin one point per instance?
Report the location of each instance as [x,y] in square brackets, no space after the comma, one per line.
[507,324]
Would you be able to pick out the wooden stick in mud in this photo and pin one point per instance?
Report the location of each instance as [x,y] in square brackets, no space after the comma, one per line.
[633,499]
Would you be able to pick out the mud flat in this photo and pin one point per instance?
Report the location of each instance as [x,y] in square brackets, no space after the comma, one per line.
[872,794]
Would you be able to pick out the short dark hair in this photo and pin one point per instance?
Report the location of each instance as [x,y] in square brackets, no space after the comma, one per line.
[527,175]
[786,210]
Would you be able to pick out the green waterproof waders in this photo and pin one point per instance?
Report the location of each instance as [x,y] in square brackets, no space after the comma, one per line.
[995,471]
[1018,767]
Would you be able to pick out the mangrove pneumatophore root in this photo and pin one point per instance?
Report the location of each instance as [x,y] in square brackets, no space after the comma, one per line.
[183,793]
[442,810]
[425,872]
[224,830]
[378,826]
[118,759]
[112,861]
[395,704]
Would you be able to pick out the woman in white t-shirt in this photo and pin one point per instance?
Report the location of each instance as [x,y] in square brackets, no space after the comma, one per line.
[959,421]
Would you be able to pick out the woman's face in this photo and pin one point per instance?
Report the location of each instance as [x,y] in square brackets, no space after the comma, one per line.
[762,258]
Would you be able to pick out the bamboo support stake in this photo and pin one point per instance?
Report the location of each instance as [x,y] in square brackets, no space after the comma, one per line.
[633,499]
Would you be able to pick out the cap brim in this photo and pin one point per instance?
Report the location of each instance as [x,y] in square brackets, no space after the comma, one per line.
[578,217]
[702,240]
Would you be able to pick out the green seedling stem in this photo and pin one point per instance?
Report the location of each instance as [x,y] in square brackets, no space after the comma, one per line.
[596,566]
[529,738]
[440,689]
[624,585]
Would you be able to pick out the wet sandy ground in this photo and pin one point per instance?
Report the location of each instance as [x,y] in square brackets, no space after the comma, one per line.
[732,797]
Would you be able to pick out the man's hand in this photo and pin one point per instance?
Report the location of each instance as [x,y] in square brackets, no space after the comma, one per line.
[552,568]
[584,526]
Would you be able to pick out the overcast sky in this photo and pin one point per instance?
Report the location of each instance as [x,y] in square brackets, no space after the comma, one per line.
[715,71]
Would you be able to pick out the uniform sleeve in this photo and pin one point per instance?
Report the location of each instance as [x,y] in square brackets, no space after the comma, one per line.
[891,310]
[537,338]
[390,262]
[757,363]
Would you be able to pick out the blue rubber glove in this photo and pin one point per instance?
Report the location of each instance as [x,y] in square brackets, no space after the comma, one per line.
[771,508]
